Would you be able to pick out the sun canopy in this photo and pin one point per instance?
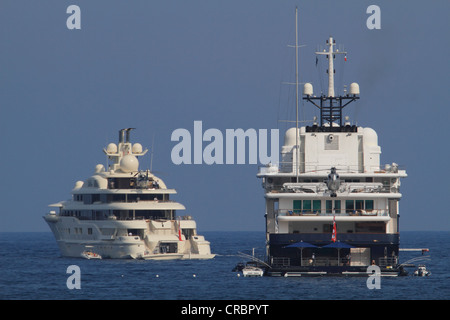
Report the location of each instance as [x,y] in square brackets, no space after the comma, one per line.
[301,244]
[338,245]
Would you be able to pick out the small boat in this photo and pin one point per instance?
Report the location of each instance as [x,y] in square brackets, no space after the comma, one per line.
[250,271]
[422,271]
[90,255]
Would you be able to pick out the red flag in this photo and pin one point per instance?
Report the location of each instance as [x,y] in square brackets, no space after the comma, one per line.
[333,235]
[179,231]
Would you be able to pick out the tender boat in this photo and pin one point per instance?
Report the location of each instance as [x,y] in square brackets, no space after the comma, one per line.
[422,271]
[250,271]
[90,255]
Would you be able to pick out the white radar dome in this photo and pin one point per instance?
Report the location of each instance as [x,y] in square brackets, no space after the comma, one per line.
[99,168]
[289,137]
[137,148]
[354,88]
[370,137]
[111,148]
[78,184]
[129,163]
[308,89]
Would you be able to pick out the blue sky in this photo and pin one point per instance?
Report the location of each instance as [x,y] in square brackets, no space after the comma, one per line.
[160,65]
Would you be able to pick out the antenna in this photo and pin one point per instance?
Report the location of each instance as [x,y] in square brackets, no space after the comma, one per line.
[296,89]
[331,56]
[151,155]
[331,106]
[296,92]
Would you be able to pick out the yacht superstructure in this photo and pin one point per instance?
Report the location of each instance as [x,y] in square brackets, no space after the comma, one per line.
[122,212]
[331,207]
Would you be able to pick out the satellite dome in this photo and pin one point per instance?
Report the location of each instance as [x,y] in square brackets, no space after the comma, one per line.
[129,163]
[354,88]
[308,89]
[289,137]
[78,184]
[111,148]
[99,168]
[137,148]
[370,137]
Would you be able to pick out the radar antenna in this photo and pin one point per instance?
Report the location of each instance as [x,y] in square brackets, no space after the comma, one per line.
[331,106]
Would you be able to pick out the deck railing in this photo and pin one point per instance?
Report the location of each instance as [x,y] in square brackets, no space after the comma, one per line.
[329,212]
[290,167]
[326,261]
[319,262]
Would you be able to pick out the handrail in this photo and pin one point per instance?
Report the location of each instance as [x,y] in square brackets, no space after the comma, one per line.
[320,187]
[289,167]
[325,212]
[326,261]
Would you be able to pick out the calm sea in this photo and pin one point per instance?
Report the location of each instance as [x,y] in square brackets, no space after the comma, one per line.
[31,268]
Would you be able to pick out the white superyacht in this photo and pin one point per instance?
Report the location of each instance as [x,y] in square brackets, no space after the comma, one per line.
[122,212]
[331,207]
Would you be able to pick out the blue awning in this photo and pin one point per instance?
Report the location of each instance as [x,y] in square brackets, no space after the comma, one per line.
[301,244]
[338,245]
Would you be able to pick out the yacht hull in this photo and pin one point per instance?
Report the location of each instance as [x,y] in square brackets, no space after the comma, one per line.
[147,245]
[318,260]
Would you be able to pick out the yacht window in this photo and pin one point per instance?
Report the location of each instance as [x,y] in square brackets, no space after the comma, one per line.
[329,206]
[306,205]
[359,205]
[333,209]
[349,206]
[317,206]
[369,205]
[337,206]
[297,206]
[87,199]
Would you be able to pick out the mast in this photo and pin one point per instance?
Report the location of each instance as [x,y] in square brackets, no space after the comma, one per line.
[331,106]
[331,68]
[296,95]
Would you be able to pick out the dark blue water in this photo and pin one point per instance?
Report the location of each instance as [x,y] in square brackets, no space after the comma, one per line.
[31,268]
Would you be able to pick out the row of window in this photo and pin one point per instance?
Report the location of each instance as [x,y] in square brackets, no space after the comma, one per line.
[294,179]
[132,183]
[76,230]
[332,206]
[108,198]
[119,214]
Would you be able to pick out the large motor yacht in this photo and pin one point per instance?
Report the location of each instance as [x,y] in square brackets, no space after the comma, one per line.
[123,212]
[331,207]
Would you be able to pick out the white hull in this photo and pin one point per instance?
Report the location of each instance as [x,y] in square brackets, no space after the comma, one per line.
[176,256]
[252,272]
[107,250]
[121,245]
[125,213]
